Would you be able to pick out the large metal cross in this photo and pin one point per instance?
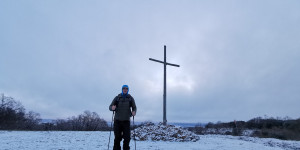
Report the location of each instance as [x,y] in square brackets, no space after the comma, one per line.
[165,82]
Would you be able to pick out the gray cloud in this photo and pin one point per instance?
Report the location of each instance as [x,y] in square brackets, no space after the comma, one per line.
[238,59]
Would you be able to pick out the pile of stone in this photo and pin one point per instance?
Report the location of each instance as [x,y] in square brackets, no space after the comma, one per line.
[160,132]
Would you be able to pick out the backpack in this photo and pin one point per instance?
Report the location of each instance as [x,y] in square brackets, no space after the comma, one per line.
[119,97]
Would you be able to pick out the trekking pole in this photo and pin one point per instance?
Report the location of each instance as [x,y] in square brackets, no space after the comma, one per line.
[112,119]
[134,135]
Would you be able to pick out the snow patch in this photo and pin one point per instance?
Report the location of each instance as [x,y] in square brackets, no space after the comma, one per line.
[160,132]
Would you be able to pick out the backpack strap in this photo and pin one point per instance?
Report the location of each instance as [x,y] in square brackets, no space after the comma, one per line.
[120,96]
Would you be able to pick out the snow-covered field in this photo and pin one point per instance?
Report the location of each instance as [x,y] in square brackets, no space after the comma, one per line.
[73,140]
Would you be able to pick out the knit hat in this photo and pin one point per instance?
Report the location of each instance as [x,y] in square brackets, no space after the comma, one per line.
[125,86]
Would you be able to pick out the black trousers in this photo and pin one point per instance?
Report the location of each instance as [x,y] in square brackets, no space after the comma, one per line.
[121,130]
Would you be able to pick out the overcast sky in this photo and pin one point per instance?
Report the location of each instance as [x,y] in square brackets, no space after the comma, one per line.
[238,59]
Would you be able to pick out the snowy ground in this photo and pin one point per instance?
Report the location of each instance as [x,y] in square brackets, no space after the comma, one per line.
[29,140]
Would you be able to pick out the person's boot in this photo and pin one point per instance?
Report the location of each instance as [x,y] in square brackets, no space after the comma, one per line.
[126,135]
[126,144]
[117,144]
[126,147]
[117,147]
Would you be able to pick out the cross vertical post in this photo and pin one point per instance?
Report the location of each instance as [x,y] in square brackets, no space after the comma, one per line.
[165,83]
[2,100]
[165,87]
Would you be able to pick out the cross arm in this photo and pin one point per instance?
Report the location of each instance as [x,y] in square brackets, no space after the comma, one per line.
[164,62]
[156,60]
[173,65]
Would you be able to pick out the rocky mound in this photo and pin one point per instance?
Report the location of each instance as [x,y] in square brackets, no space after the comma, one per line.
[160,132]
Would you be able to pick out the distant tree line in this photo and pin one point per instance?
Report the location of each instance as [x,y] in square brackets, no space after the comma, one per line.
[88,121]
[267,127]
[14,117]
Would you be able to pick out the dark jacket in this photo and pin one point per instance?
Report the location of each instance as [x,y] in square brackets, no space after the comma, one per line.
[124,105]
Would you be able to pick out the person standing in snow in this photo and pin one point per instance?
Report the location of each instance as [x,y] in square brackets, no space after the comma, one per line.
[122,105]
